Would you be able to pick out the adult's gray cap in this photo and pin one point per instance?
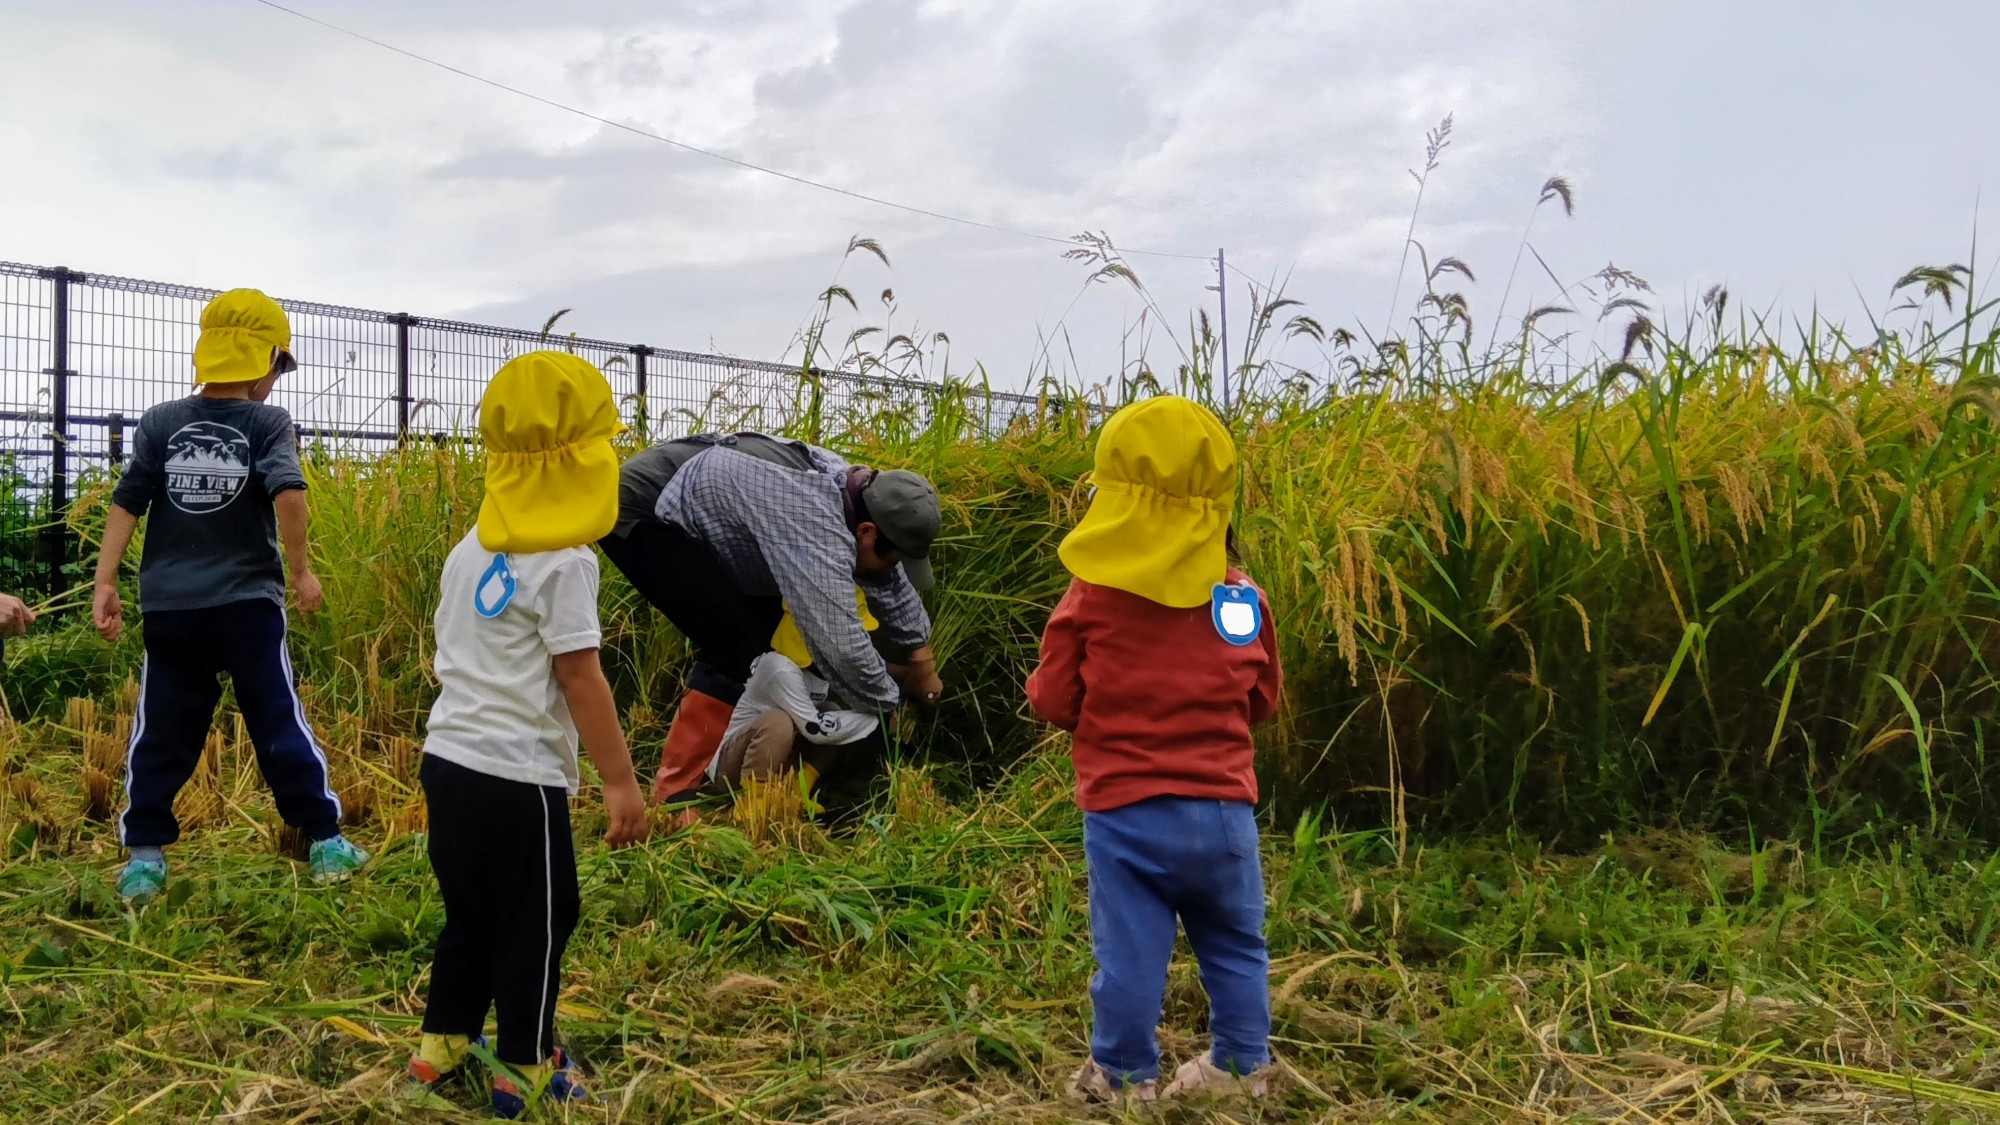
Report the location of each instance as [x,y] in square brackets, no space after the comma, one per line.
[905,507]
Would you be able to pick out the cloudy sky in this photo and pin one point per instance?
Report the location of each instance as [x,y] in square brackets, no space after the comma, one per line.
[1801,153]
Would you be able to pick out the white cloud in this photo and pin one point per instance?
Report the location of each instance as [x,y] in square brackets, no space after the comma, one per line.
[222,143]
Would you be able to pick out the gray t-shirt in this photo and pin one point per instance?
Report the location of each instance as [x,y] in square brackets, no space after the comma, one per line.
[207,469]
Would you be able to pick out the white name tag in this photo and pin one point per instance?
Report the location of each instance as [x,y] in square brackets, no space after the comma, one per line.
[1238,615]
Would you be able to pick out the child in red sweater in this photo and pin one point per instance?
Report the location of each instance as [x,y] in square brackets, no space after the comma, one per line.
[1159,660]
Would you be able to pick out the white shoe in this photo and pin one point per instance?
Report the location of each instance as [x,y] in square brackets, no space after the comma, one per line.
[1091,1084]
[1200,1077]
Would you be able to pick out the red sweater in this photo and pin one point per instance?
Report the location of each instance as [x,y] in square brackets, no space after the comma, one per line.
[1158,702]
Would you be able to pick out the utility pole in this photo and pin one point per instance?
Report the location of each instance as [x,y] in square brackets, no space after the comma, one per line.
[1221,288]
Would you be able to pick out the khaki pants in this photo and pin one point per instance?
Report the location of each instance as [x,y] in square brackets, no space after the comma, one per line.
[766,748]
[771,746]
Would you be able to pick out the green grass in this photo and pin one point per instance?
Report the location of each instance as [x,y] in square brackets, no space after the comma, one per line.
[932,960]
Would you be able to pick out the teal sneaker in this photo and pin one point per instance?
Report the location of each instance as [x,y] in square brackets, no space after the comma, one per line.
[142,880]
[335,860]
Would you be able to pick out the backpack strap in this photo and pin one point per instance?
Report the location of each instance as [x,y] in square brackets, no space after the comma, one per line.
[793,455]
[646,473]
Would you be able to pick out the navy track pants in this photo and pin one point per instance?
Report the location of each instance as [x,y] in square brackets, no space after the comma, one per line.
[187,652]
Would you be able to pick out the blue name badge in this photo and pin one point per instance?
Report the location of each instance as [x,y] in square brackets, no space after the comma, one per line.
[1239,616]
[495,589]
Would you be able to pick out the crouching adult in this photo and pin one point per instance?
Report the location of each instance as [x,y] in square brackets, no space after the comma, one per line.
[721,533]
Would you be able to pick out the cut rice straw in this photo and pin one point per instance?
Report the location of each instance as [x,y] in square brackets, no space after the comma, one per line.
[73,971]
[1984,1029]
[214,1068]
[149,1099]
[1935,1089]
[102,936]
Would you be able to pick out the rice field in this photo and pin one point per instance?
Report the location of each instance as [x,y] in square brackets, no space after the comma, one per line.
[1633,768]
[928,961]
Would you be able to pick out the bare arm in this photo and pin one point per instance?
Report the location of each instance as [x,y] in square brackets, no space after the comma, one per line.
[107,611]
[291,507]
[591,707]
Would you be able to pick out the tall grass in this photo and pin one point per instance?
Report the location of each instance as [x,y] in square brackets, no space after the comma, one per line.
[1721,582]
[1732,579]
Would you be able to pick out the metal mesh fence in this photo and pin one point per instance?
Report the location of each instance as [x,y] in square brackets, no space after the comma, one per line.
[25,318]
[82,356]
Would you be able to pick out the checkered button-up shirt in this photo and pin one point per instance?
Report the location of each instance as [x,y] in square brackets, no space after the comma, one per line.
[784,532]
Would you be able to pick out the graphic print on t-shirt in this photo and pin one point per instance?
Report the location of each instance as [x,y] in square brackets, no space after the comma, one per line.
[207,465]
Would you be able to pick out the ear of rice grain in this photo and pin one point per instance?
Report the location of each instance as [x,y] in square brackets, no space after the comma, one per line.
[765,810]
[916,796]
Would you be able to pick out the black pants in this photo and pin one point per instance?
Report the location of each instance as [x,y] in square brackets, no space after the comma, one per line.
[187,651]
[507,867]
[683,579]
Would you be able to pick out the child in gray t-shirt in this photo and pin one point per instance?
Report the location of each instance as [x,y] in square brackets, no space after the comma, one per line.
[217,476]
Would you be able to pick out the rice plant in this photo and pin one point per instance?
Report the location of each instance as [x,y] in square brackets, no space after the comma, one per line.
[1633,761]
[1716,580]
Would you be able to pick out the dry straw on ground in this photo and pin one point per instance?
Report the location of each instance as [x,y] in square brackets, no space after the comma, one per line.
[931,963]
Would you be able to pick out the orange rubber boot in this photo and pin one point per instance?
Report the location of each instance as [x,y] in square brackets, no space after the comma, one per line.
[696,733]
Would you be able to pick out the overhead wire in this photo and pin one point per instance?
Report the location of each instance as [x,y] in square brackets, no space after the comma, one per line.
[648,134]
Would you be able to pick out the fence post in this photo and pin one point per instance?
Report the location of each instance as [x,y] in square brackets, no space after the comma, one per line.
[115,423]
[56,532]
[402,321]
[640,413]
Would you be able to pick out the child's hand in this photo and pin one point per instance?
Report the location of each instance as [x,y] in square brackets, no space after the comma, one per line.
[581,679]
[628,814]
[108,612]
[309,594]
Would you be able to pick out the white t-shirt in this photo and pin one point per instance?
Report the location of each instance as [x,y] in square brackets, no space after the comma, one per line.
[501,619]
[777,684]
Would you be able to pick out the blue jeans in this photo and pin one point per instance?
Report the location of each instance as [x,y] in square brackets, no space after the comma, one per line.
[1150,862]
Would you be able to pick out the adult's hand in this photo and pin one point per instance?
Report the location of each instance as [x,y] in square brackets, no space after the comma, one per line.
[919,678]
[926,687]
[15,616]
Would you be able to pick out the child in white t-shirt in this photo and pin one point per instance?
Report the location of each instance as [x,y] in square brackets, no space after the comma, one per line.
[519,682]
